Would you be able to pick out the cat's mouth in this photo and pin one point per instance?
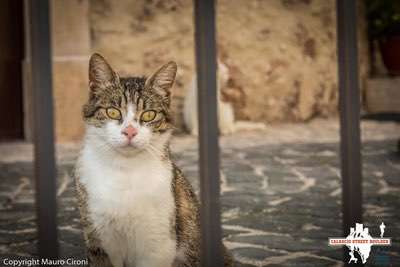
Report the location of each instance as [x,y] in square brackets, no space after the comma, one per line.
[130,145]
[128,149]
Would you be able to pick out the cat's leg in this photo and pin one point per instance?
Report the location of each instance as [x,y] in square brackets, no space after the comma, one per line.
[194,131]
[226,118]
[98,257]
[161,256]
[96,254]
[114,245]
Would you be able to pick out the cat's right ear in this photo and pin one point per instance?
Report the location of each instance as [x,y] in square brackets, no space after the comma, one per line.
[100,72]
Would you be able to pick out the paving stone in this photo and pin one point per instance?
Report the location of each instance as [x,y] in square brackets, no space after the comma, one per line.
[308,262]
[280,202]
[253,253]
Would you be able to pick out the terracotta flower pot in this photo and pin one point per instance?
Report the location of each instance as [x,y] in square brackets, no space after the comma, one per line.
[390,50]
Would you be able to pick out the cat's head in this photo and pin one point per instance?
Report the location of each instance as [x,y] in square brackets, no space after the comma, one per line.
[128,114]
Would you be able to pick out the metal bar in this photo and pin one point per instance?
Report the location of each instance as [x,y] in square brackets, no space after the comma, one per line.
[45,172]
[204,11]
[349,103]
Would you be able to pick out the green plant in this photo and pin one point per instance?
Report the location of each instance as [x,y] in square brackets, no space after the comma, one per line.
[383,18]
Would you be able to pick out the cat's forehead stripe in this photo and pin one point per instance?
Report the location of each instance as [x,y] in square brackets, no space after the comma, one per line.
[140,103]
[125,96]
[131,112]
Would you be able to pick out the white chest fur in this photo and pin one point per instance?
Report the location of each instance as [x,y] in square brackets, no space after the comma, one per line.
[131,205]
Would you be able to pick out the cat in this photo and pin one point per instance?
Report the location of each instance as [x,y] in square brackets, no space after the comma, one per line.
[226,116]
[227,123]
[137,208]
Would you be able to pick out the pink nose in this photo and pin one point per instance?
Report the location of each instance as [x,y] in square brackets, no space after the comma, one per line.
[130,132]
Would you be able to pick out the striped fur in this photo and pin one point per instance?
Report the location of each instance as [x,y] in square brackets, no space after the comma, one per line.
[98,171]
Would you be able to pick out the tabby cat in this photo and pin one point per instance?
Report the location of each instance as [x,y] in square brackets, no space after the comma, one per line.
[137,208]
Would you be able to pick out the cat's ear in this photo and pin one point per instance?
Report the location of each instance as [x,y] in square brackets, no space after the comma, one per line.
[163,79]
[100,72]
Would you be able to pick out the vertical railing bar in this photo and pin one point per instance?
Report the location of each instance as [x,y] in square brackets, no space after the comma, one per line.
[45,172]
[349,103]
[204,11]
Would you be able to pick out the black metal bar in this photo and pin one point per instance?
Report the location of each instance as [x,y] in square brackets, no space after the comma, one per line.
[204,11]
[349,103]
[45,172]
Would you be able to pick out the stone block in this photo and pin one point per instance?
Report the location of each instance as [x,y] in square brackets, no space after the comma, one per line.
[383,95]
[70,27]
[70,93]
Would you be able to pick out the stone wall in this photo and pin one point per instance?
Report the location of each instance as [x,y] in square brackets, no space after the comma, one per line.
[281,53]
[70,40]
[71,51]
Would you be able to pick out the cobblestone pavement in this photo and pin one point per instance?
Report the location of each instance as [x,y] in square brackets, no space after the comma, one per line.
[281,200]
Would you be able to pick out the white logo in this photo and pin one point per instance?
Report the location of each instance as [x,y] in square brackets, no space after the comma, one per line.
[382,227]
[359,240]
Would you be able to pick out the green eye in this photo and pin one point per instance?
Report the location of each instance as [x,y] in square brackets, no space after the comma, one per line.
[148,116]
[113,113]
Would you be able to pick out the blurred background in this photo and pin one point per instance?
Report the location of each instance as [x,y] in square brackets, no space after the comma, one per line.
[280,56]
[281,181]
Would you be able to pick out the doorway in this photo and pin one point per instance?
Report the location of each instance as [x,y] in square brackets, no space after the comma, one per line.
[11,56]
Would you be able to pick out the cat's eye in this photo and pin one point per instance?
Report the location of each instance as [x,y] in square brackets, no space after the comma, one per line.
[113,113]
[148,116]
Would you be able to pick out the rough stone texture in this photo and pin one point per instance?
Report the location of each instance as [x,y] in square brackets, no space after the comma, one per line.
[69,96]
[281,54]
[70,25]
[280,196]
[71,42]
[383,95]
[70,56]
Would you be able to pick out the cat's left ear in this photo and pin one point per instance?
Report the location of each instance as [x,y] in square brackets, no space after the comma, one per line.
[163,79]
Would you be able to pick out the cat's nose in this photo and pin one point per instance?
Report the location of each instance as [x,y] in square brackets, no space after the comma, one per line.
[130,132]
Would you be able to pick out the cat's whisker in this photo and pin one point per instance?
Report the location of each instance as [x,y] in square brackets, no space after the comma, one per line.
[152,153]
[172,127]
[104,147]
[156,149]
